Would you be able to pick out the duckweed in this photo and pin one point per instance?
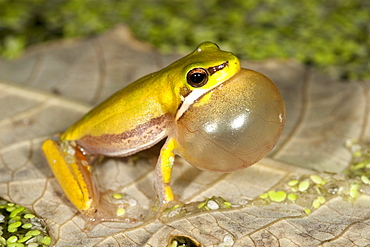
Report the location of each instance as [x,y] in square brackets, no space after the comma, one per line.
[12,239]
[321,199]
[292,183]
[312,191]
[365,179]
[303,186]
[292,197]
[18,226]
[201,205]
[227,204]
[277,196]
[120,212]
[316,204]
[317,179]
[24,239]
[27,226]
[33,233]
[46,240]
[264,196]
[353,191]
[117,196]
[29,216]
[214,203]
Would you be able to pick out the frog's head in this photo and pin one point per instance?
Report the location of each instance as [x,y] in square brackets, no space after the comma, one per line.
[201,71]
[208,66]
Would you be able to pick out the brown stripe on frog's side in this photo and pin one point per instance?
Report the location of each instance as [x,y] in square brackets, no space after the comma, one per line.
[129,142]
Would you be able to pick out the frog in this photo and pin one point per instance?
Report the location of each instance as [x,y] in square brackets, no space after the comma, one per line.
[216,115]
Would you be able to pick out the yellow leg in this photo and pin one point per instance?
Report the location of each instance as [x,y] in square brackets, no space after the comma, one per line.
[163,172]
[73,172]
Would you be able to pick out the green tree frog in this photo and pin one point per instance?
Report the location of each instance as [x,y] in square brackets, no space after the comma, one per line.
[216,115]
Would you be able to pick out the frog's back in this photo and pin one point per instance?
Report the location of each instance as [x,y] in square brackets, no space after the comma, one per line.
[130,120]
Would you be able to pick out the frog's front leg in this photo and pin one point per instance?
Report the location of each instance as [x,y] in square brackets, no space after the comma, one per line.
[72,170]
[163,172]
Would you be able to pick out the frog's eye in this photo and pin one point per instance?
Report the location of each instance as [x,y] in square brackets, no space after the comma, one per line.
[197,77]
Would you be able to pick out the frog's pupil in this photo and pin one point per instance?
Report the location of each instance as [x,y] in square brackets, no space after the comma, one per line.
[197,78]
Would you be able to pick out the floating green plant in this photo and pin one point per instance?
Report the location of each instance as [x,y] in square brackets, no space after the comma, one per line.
[20,227]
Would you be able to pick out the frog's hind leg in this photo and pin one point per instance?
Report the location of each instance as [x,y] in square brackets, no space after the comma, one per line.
[73,173]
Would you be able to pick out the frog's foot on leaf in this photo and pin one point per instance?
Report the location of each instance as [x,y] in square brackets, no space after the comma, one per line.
[176,209]
[165,212]
[114,207]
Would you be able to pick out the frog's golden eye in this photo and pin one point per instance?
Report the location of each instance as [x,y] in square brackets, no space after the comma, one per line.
[197,77]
